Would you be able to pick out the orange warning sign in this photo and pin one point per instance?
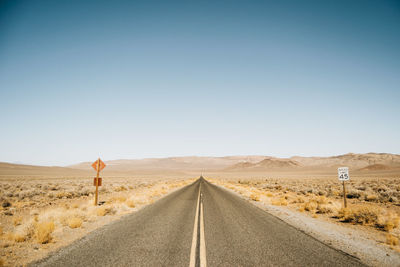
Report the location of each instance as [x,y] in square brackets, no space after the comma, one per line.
[96,163]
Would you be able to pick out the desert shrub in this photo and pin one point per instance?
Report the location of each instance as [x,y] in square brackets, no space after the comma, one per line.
[64,194]
[298,200]
[75,222]
[44,231]
[382,188]
[303,192]
[362,188]
[255,197]
[371,197]
[85,192]
[279,201]
[17,221]
[311,205]
[353,194]
[359,215]
[388,222]
[392,240]
[120,188]
[6,204]
[130,203]
[18,237]
[324,208]
[118,199]
[322,200]
[269,194]
[104,210]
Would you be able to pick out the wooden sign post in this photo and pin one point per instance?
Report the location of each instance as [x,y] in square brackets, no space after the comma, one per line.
[343,175]
[98,165]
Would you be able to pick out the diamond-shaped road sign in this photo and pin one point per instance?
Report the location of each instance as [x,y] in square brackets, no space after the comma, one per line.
[95,164]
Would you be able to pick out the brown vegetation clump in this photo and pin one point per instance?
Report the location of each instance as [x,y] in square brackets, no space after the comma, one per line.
[105,210]
[359,215]
[367,215]
[310,205]
[279,201]
[392,240]
[117,199]
[75,222]
[17,221]
[120,188]
[18,237]
[388,222]
[372,197]
[298,199]
[44,231]
[255,197]
[130,203]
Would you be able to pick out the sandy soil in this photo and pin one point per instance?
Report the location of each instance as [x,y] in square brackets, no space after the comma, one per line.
[44,214]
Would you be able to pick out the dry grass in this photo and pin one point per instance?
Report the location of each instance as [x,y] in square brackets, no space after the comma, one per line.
[17,221]
[32,209]
[368,215]
[44,232]
[388,222]
[391,240]
[279,201]
[255,197]
[120,188]
[18,237]
[75,222]
[130,203]
[105,210]
[269,194]
[324,197]
[117,199]
[310,206]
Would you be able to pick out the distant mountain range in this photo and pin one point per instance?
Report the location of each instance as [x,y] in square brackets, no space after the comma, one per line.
[178,165]
[361,162]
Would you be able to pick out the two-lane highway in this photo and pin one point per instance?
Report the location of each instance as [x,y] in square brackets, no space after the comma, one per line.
[235,233]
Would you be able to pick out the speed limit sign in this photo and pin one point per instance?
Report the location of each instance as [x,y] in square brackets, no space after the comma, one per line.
[343,174]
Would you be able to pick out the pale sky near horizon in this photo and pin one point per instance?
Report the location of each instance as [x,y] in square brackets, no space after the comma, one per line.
[135,79]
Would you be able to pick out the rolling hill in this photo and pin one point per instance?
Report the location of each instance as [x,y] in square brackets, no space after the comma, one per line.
[183,165]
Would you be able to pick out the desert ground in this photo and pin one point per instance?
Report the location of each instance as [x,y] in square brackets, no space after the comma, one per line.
[43,213]
[46,208]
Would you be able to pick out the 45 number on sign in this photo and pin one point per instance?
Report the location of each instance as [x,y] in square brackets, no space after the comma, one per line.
[343,175]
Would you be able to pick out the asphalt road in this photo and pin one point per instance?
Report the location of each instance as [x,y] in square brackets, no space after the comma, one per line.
[236,234]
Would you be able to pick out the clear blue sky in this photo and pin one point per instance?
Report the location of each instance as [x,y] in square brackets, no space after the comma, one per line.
[134,79]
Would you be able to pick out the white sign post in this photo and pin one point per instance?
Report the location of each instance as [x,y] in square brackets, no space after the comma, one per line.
[343,175]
